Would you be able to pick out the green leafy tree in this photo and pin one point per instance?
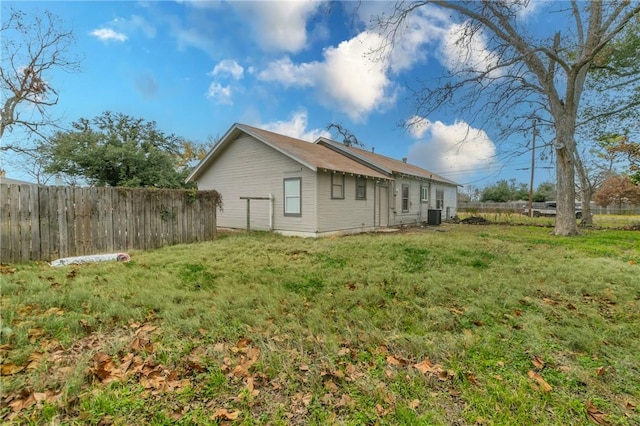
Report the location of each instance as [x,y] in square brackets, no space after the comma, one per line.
[114,149]
[546,191]
[505,190]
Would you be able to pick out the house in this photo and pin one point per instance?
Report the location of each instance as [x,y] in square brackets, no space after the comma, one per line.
[9,181]
[270,181]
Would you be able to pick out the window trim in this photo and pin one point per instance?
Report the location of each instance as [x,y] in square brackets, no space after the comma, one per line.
[440,201]
[424,199]
[340,185]
[361,182]
[402,199]
[285,197]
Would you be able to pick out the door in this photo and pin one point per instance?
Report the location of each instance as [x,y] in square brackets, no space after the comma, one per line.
[383,206]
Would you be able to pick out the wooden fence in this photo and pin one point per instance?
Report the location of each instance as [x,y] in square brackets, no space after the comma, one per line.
[51,222]
[517,207]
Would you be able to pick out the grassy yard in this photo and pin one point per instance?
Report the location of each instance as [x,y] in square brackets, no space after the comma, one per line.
[455,325]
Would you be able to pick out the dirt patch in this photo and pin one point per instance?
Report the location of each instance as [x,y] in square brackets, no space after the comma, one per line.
[471,220]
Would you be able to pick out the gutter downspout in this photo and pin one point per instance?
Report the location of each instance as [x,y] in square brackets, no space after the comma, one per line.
[271,197]
[375,191]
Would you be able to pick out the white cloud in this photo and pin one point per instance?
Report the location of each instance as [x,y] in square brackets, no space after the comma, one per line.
[219,94]
[106,34]
[466,55]
[417,126]
[230,67]
[426,25]
[296,127]
[347,80]
[279,25]
[285,72]
[450,149]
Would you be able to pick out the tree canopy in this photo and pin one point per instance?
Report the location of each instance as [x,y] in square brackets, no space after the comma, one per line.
[505,190]
[522,74]
[618,190]
[115,149]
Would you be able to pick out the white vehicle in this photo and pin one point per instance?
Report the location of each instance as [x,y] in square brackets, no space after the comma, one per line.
[548,209]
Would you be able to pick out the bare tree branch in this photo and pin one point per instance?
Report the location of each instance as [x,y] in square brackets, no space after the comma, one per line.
[32,46]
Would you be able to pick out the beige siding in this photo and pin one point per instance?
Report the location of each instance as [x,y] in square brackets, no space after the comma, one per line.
[397,216]
[418,210]
[249,168]
[344,214]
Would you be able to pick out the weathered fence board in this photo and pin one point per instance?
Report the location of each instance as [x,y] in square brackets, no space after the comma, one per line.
[49,222]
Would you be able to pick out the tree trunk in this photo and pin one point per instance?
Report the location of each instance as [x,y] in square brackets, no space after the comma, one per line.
[586,192]
[565,180]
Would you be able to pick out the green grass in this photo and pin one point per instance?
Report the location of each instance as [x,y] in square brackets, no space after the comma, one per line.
[263,329]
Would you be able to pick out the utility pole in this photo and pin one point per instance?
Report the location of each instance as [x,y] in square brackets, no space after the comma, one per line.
[533,162]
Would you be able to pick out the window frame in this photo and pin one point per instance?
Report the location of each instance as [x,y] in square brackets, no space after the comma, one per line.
[424,190]
[335,185]
[361,182]
[439,200]
[403,198]
[286,197]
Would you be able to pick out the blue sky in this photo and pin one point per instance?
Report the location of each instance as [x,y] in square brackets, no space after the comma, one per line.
[197,67]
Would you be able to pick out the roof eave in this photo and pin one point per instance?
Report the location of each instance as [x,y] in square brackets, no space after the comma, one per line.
[336,146]
[277,148]
[201,167]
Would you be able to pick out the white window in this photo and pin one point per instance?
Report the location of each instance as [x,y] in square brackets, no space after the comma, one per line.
[292,197]
[424,194]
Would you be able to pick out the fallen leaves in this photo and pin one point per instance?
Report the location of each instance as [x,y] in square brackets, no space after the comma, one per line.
[6,269]
[537,362]
[10,369]
[539,380]
[105,369]
[426,367]
[224,414]
[27,399]
[595,415]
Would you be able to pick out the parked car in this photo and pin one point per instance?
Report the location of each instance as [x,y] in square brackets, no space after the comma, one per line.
[548,209]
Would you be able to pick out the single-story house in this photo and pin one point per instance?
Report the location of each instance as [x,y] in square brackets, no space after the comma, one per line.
[275,182]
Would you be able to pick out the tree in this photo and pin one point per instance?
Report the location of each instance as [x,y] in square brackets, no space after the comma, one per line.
[593,168]
[546,74]
[504,191]
[546,191]
[613,85]
[32,48]
[631,151]
[115,149]
[618,190]
[348,138]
